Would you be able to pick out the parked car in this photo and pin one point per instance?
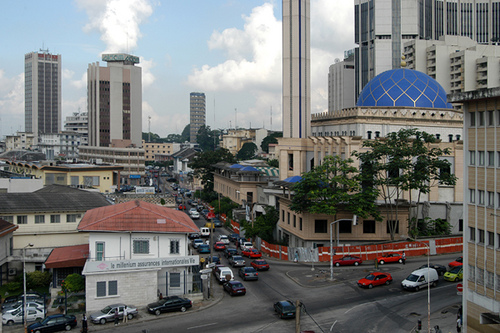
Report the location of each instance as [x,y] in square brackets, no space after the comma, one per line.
[197,242]
[194,235]
[171,303]
[375,279]
[31,296]
[54,323]
[204,248]
[19,306]
[456,262]
[219,246]
[439,268]
[214,259]
[347,261]
[252,253]
[285,309]
[235,288]
[390,257]
[194,215]
[454,274]
[248,273]
[237,261]
[230,251]
[224,239]
[260,265]
[246,245]
[421,278]
[16,317]
[108,313]
[233,237]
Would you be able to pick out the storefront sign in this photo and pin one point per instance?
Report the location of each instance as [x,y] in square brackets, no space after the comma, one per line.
[138,264]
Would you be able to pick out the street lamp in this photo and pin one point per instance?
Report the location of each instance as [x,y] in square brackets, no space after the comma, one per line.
[428,285]
[354,220]
[25,317]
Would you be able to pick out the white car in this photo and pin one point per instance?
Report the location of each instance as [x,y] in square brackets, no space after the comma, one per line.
[197,242]
[194,214]
[16,317]
[246,245]
[224,239]
[192,210]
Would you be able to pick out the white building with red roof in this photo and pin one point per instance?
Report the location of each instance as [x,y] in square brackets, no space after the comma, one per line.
[137,250]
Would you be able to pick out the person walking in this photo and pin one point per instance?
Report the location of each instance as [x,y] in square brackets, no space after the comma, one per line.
[125,315]
[404,257]
[84,324]
[117,317]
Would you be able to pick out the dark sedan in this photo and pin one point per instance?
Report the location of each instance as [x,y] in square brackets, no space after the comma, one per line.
[54,323]
[439,268]
[171,303]
[235,288]
[285,309]
[230,251]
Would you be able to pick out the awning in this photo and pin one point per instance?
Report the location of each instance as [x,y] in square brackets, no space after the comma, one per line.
[270,171]
[68,256]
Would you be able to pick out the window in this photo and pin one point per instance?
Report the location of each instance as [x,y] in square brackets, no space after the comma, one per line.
[283,216]
[174,246]
[481,118]
[472,119]
[481,235]
[472,273]
[491,158]
[491,199]
[91,181]
[101,289]
[445,171]
[141,246]
[490,279]
[112,288]
[288,217]
[481,197]
[472,157]
[22,219]
[460,225]
[320,226]
[491,239]
[368,226]
[481,157]
[8,218]
[55,218]
[394,225]
[472,232]
[295,221]
[39,219]
[345,227]
[472,195]
[175,280]
[300,223]
[480,276]
[491,120]
[290,161]
[72,217]
[99,251]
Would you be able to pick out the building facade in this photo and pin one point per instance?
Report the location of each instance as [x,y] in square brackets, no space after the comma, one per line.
[341,84]
[197,114]
[63,145]
[79,123]
[114,95]
[42,92]
[20,141]
[481,254]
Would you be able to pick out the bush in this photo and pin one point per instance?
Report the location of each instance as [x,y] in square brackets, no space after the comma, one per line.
[13,286]
[74,282]
[38,279]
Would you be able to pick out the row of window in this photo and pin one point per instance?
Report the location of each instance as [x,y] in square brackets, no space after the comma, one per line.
[484,158]
[484,118]
[110,288]
[484,198]
[139,246]
[478,276]
[483,238]
[39,219]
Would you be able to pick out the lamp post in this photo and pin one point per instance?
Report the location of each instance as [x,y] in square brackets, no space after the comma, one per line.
[25,317]
[354,220]
[428,286]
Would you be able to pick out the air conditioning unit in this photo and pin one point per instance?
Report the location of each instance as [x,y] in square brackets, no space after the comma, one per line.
[12,271]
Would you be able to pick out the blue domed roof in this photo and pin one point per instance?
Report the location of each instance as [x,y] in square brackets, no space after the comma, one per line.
[403,88]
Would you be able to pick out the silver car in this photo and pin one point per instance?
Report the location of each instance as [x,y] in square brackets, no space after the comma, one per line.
[19,306]
[237,261]
[108,313]
[248,273]
[16,317]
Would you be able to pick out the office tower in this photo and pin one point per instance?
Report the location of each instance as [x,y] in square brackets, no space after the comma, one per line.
[296,69]
[197,114]
[115,101]
[341,83]
[42,92]
[382,26]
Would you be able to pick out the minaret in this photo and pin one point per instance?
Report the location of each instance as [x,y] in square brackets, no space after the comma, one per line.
[296,69]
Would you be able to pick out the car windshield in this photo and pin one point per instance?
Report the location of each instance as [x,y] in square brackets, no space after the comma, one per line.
[237,285]
[237,258]
[106,309]
[456,269]
[412,278]
[288,308]
[370,277]
[260,262]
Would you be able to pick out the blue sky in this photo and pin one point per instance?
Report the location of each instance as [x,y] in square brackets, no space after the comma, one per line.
[228,49]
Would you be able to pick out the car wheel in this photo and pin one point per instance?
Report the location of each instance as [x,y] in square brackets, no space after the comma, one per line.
[434,284]
[370,286]
[39,319]
[417,288]
[67,327]
[400,261]
[356,263]
[337,264]
[37,331]
[281,316]
[381,262]
[183,309]
[387,282]
[10,322]
[130,316]
[102,321]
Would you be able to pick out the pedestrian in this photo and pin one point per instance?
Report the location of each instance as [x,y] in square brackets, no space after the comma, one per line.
[296,256]
[404,257]
[84,324]
[459,325]
[125,314]
[117,317]
[437,329]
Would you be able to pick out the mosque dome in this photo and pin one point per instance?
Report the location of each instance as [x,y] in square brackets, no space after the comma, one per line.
[403,88]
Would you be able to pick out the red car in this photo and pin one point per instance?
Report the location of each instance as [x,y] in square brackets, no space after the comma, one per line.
[182,207]
[457,262]
[348,260]
[390,257]
[251,253]
[235,288]
[260,265]
[219,246]
[375,279]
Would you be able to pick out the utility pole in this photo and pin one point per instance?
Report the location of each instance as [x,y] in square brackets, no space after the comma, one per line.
[297,316]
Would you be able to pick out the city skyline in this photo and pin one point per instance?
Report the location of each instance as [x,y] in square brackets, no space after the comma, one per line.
[233,55]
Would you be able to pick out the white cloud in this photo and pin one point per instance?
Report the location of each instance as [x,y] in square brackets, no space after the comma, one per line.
[147,75]
[11,102]
[117,21]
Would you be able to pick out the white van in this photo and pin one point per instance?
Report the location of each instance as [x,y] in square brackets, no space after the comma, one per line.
[205,232]
[421,278]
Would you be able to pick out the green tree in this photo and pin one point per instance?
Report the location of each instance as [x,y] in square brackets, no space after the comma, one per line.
[274,163]
[151,137]
[247,151]
[74,283]
[404,161]
[271,138]
[186,133]
[208,139]
[203,165]
[263,226]
[332,186]
[174,138]
[38,279]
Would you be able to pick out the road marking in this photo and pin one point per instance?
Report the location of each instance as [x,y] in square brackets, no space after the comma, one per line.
[331,327]
[195,327]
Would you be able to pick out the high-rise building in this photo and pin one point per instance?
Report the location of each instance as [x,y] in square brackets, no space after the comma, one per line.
[296,69]
[341,83]
[115,101]
[42,93]
[197,114]
[382,26]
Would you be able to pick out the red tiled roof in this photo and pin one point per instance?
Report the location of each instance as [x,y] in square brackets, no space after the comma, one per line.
[137,216]
[68,256]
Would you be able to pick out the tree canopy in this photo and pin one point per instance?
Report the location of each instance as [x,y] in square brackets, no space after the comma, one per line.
[263,226]
[203,165]
[247,151]
[271,138]
[208,139]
